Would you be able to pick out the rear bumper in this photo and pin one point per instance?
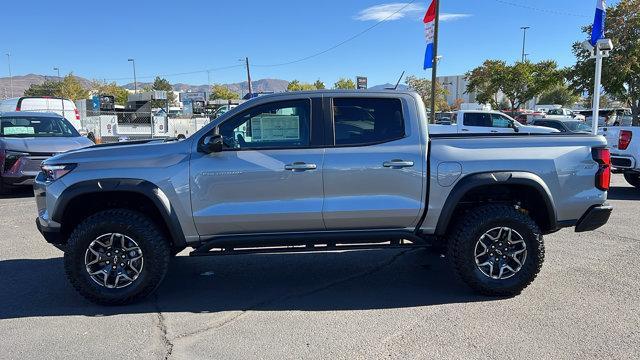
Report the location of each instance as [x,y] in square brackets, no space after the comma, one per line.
[594,218]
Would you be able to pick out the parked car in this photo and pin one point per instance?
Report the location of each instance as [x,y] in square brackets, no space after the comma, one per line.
[563,114]
[624,142]
[479,121]
[27,139]
[572,126]
[44,104]
[318,171]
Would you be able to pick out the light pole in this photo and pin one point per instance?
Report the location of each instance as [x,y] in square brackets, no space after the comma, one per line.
[246,61]
[61,90]
[10,76]
[135,81]
[524,40]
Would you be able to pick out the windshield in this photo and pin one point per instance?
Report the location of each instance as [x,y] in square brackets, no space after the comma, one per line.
[36,126]
[577,126]
[555,112]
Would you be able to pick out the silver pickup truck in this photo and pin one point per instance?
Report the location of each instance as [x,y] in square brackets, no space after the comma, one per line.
[319,171]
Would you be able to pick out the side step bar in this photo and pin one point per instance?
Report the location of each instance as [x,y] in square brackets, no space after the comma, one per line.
[308,248]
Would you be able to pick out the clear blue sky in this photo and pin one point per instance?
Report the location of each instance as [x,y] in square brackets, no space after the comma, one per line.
[94,38]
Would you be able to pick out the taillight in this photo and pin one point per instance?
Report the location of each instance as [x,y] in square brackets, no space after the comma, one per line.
[77,114]
[603,177]
[625,139]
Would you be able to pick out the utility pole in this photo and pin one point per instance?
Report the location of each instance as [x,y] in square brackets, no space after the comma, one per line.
[10,76]
[524,41]
[61,90]
[135,81]
[434,69]
[208,84]
[249,77]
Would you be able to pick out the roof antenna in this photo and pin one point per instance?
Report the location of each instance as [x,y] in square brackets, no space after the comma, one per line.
[400,79]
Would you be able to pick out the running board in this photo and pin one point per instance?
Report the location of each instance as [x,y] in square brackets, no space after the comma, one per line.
[307,248]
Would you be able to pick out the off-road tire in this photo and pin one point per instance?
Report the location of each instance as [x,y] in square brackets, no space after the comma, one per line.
[156,252]
[462,242]
[633,179]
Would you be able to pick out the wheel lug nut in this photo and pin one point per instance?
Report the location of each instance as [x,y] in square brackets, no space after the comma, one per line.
[107,262]
[121,264]
[114,266]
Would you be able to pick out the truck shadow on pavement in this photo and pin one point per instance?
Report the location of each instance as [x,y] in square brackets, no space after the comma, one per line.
[18,193]
[304,282]
[623,193]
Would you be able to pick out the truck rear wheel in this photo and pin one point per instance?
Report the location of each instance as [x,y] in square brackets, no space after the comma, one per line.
[496,250]
[116,257]
[632,178]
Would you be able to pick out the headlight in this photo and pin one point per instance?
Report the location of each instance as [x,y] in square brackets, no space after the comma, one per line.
[55,172]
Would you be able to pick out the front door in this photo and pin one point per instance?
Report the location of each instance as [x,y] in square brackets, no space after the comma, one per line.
[374,172]
[268,178]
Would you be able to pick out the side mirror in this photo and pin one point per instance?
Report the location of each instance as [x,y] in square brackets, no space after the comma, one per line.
[514,126]
[212,144]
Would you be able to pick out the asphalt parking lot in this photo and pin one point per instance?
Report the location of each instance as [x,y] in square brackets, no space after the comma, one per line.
[378,304]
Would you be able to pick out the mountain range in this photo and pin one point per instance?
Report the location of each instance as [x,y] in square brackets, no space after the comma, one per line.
[22,83]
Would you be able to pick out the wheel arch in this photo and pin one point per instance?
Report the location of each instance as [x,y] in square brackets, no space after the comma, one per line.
[508,181]
[137,194]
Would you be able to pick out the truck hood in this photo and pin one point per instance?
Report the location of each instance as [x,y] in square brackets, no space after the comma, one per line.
[45,145]
[126,154]
[533,129]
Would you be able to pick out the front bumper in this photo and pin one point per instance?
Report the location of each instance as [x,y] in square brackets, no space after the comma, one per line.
[49,229]
[594,218]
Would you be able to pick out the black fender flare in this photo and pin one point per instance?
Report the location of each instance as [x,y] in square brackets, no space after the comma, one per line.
[142,187]
[474,181]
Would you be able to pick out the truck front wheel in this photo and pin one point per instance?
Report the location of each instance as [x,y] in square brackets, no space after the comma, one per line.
[632,178]
[116,257]
[497,250]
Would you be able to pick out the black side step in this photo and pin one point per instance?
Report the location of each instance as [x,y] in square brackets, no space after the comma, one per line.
[307,248]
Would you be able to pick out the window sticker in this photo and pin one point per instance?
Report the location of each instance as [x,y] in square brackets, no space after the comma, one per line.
[19,130]
[275,128]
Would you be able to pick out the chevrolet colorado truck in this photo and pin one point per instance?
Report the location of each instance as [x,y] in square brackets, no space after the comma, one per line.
[319,171]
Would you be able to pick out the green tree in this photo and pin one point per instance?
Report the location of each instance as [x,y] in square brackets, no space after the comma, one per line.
[296,85]
[47,88]
[519,83]
[621,70]
[344,83]
[118,92]
[319,85]
[423,87]
[71,88]
[560,94]
[219,92]
[162,84]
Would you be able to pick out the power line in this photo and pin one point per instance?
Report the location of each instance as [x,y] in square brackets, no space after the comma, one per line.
[178,74]
[343,41]
[548,11]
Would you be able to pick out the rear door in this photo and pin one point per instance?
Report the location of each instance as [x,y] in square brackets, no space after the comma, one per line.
[375,164]
[475,122]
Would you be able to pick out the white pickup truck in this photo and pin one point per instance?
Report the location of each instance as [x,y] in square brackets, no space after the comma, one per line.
[563,114]
[624,142]
[486,121]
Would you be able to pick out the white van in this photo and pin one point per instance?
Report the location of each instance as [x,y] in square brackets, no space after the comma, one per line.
[43,104]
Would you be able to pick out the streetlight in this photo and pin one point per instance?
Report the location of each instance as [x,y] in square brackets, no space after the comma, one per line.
[135,81]
[10,76]
[61,89]
[524,40]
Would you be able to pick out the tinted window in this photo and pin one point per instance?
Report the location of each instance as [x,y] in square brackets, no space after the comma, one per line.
[477,119]
[282,124]
[577,126]
[36,126]
[361,121]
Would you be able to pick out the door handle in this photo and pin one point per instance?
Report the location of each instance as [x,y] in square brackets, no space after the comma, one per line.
[494,131]
[465,129]
[397,164]
[300,166]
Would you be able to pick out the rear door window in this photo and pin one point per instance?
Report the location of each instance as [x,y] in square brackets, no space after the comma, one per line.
[477,119]
[366,121]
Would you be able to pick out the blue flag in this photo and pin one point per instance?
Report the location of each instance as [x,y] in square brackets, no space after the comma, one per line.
[597,32]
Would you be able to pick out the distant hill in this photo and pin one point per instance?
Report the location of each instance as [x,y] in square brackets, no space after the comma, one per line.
[22,83]
[262,85]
